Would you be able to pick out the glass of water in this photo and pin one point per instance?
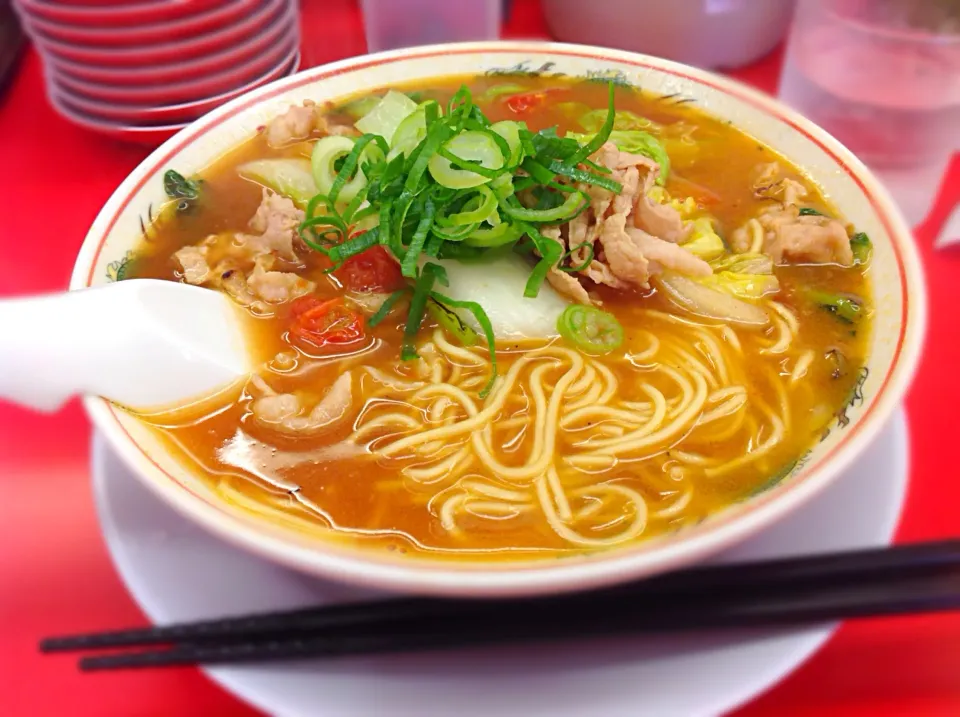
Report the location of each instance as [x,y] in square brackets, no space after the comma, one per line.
[883,77]
[391,24]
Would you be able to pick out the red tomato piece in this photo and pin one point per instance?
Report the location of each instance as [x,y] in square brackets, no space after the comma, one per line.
[526,101]
[521,104]
[325,322]
[372,270]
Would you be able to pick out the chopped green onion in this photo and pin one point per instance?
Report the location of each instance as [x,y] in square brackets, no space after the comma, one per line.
[845,307]
[437,134]
[359,244]
[482,205]
[418,305]
[550,253]
[573,205]
[811,212]
[581,175]
[504,233]
[351,165]
[602,135]
[484,321]
[386,307]
[451,322]
[586,262]
[409,265]
[590,329]
[476,154]
[433,245]
[862,248]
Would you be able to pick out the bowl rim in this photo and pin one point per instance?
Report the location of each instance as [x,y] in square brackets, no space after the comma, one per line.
[364,567]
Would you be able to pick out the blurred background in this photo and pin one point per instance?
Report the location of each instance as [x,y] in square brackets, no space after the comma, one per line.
[883,76]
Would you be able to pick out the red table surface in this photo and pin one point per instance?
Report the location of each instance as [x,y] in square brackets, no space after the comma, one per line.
[56,574]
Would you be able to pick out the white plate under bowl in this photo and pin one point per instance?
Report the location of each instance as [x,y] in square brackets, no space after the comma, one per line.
[177,571]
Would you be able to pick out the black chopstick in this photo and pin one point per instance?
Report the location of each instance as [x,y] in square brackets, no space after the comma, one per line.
[699,596]
[850,565]
[781,608]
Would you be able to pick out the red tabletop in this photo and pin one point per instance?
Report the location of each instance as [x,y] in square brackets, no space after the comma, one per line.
[56,574]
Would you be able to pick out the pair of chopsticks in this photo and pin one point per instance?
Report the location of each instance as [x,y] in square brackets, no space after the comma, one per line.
[922,577]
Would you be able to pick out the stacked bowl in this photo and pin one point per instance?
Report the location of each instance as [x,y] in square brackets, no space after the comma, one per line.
[143,70]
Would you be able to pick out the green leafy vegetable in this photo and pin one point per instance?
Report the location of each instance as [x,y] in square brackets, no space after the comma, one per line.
[637,142]
[593,120]
[428,181]
[291,178]
[704,241]
[496,91]
[861,247]
[744,264]
[387,306]
[358,108]
[450,322]
[811,212]
[484,321]
[187,191]
[743,286]
[418,305]
[845,307]
[590,329]
[387,115]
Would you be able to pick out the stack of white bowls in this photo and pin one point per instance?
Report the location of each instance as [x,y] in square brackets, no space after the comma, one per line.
[143,70]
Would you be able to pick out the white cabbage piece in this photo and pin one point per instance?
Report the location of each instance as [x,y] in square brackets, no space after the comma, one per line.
[497,285]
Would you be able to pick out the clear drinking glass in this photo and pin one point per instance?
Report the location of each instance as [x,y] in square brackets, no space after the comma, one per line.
[883,77]
[391,24]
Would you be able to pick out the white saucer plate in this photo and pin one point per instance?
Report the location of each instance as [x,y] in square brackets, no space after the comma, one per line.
[178,572]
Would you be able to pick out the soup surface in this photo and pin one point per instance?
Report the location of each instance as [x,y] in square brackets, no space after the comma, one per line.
[703,320]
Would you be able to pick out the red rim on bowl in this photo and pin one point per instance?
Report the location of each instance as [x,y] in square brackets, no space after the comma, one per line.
[115,14]
[199,88]
[226,13]
[245,31]
[133,115]
[174,71]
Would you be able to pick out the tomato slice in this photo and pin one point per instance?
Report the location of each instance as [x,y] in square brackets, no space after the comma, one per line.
[327,322]
[521,104]
[372,270]
[524,102]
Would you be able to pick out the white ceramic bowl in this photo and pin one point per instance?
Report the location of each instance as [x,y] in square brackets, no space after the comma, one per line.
[897,335]
[705,33]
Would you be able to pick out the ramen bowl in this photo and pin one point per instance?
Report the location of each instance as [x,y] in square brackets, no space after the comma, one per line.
[898,321]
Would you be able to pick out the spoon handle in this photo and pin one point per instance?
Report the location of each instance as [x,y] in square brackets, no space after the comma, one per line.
[52,347]
[142,343]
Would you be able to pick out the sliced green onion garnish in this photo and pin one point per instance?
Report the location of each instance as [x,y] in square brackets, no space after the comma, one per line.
[504,233]
[590,329]
[574,203]
[481,316]
[409,265]
[451,322]
[602,135]
[586,262]
[581,175]
[386,307]
[359,244]
[476,210]
[418,305]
